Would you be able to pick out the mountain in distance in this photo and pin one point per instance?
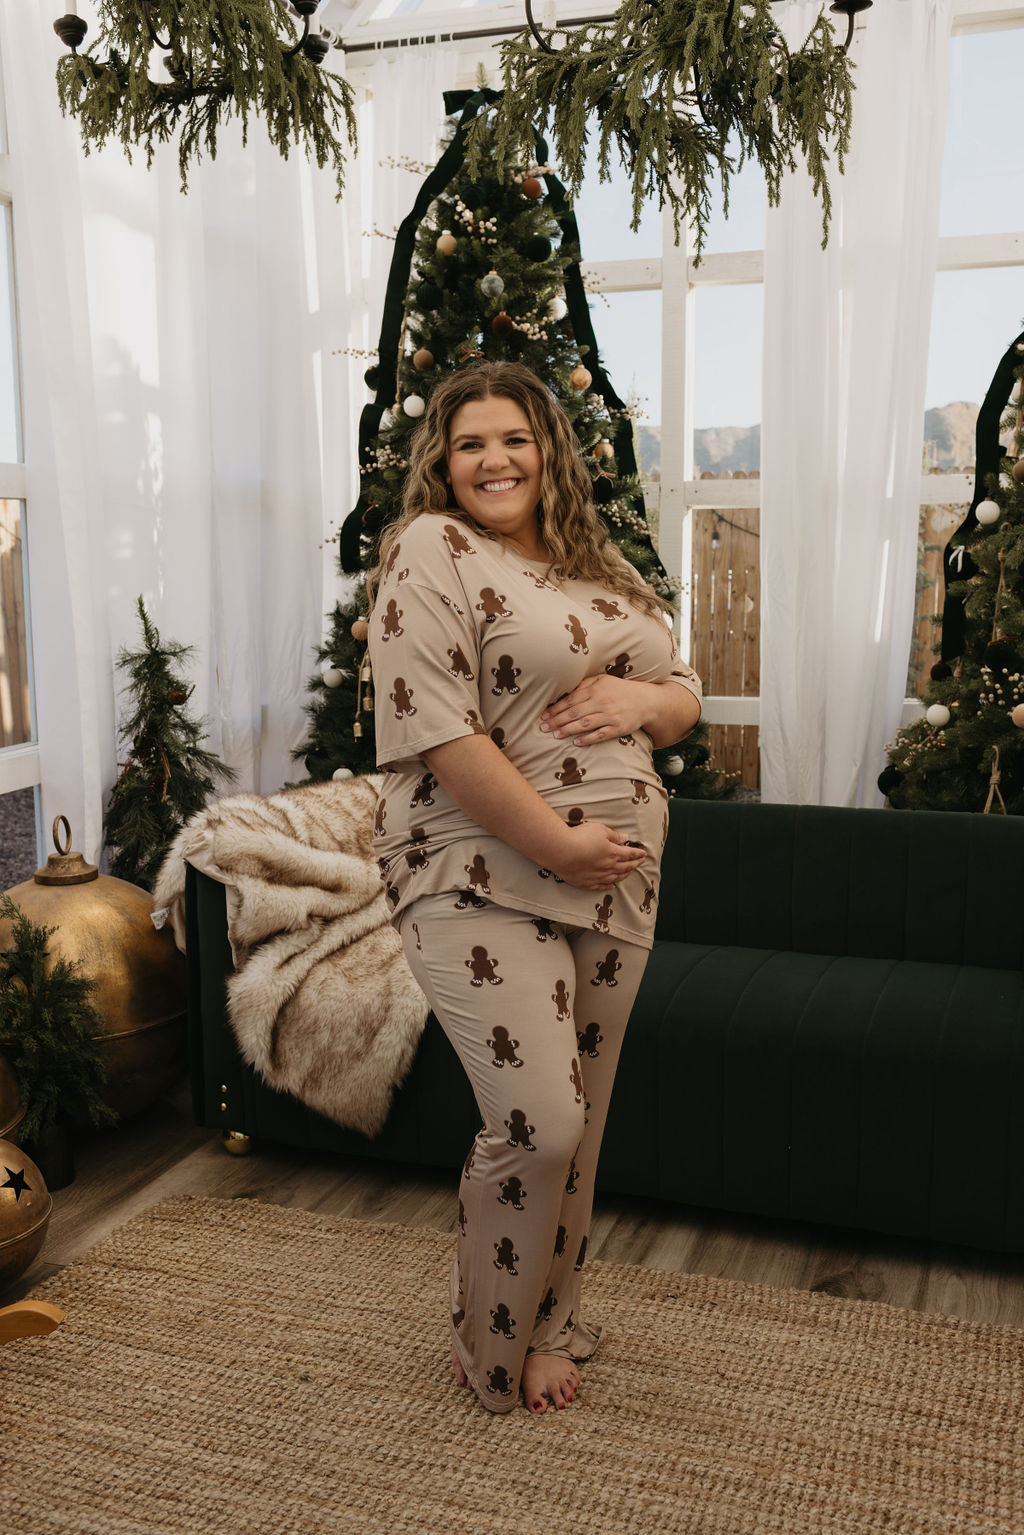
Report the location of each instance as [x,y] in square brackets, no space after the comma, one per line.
[948,443]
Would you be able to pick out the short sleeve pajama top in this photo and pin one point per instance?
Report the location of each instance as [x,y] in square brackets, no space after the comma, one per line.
[469,637]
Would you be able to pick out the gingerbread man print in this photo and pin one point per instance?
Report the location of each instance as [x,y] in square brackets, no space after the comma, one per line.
[604,912]
[620,667]
[645,904]
[576,1080]
[402,698]
[456,542]
[610,611]
[459,667]
[589,1040]
[570,1182]
[570,773]
[391,620]
[504,1047]
[479,878]
[519,1131]
[499,1380]
[482,967]
[379,817]
[577,636]
[576,816]
[505,674]
[560,1241]
[544,929]
[502,1321]
[472,719]
[492,606]
[546,1306]
[512,1193]
[498,737]
[640,796]
[469,898]
[582,1254]
[507,1257]
[392,558]
[560,997]
[424,791]
[606,969]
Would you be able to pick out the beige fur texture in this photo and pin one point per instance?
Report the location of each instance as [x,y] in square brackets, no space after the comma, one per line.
[322,1002]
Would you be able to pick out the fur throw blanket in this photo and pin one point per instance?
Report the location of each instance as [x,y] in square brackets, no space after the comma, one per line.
[322,1002]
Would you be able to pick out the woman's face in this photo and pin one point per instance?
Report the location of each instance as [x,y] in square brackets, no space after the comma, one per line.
[494,465]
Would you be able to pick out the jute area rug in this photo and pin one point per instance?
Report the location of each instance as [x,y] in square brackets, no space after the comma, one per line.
[231,1366]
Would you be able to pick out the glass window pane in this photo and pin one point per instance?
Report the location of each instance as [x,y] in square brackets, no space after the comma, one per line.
[628,331]
[15,691]
[19,858]
[604,210]
[743,230]
[975,316]
[937,525]
[727,378]
[10,412]
[982,173]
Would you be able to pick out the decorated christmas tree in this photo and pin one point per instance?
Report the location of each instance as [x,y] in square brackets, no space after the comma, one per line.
[967,752]
[486,267]
[168,775]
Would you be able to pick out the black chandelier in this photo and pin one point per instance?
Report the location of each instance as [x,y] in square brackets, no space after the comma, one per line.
[71,30]
[847,8]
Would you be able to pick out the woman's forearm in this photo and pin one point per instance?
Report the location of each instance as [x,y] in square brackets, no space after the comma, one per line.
[494,794]
[672,713]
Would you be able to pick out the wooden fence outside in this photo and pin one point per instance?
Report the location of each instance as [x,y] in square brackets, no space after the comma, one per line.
[15,708]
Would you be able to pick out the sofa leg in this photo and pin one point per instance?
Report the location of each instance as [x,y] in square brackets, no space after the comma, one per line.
[236,1143]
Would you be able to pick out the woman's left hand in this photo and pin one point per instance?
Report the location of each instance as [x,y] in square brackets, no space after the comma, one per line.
[597,709]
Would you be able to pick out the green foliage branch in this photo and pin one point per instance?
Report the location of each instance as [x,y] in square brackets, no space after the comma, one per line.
[48,1030]
[168,775]
[685,92]
[227,56]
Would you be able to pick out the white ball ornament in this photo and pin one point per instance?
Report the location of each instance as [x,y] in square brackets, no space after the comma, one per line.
[673,766]
[492,285]
[414,405]
[937,715]
[332,678]
[1017,715]
[988,512]
[342,773]
[557,308]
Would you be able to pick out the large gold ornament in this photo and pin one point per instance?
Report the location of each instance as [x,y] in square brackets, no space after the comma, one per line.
[25,1206]
[105,925]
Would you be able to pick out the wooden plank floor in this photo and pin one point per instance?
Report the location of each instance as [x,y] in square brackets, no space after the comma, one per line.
[162,1153]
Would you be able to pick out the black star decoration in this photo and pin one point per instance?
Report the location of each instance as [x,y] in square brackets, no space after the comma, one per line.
[15,1181]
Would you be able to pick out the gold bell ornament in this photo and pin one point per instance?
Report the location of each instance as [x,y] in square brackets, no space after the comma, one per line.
[25,1206]
[105,925]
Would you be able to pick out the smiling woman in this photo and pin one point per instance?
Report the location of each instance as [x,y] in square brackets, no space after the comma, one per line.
[494,470]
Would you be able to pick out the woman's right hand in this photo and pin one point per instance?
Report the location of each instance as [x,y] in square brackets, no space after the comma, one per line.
[596,857]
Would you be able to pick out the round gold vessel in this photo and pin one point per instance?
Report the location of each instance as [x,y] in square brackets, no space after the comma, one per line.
[25,1206]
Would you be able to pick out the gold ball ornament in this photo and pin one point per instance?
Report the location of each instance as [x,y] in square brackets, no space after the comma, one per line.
[603,449]
[1018,471]
[1017,715]
[446,243]
[531,187]
[360,629]
[581,377]
[105,925]
[423,359]
[25,1206]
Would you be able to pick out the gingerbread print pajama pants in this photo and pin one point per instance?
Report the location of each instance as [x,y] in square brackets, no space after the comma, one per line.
[536,1010]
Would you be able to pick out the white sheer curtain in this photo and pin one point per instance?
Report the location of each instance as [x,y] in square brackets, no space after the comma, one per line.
[190,418]
[846,335]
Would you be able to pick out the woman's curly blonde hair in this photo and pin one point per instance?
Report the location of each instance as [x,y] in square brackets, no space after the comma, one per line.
[571,529]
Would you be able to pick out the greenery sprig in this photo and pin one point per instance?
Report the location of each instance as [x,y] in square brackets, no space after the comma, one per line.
[227,56]
[48,1030]
[685,92]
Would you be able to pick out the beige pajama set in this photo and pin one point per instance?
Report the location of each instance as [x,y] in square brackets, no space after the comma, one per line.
[532,979]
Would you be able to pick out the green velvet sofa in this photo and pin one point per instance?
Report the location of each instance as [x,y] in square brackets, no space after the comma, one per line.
[830,1029]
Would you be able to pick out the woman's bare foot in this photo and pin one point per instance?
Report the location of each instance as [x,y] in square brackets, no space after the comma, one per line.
[549,1378]
[461,1378]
